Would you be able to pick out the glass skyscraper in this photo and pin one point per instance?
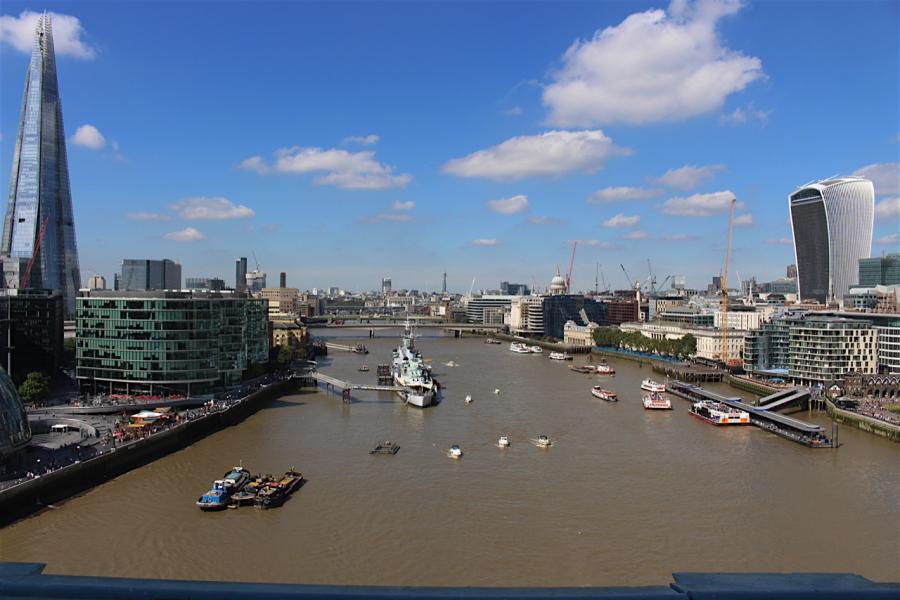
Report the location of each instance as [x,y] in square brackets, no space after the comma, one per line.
[832,222]
[39,222]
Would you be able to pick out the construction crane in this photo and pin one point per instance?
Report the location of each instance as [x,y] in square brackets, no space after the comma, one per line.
[724,323]
[26,276]
[651,278]
[471,287]
[571,266]
[632,283]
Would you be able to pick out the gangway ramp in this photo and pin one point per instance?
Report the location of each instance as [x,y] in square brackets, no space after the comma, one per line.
[347,385]
[798,395]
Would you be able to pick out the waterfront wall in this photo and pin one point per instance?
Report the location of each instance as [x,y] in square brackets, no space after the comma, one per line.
[33,495]
[879,428]
[754,387]
[556,347]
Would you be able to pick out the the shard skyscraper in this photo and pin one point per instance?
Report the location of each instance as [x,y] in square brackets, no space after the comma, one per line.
[38,247]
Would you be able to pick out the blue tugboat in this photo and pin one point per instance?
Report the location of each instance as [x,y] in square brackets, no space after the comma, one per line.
[219,496]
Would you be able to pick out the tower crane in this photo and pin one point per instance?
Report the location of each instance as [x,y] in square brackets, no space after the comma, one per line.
[632,283]
[724,324]
[571,266]
[26,276]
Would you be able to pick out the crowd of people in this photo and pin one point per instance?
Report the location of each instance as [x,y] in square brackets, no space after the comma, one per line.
[878,409]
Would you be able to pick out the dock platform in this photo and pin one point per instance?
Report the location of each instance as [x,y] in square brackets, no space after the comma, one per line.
[385,447]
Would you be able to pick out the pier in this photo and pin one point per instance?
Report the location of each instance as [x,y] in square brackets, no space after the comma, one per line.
[346,386]
[795,430]
[358,348]
[688,372]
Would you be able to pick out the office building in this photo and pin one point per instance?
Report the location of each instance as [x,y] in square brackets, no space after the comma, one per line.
[140,274]
[39,220]
[96,282]
[174,342]
[832,224]
[526,316]
[213,284]
[256,281]
[514,289]
[475,306]
[879,270]
[581,336]
[791,272]
[240,275]
[561,308]
[286,298]
[282,280]
[34,320]
[624,310]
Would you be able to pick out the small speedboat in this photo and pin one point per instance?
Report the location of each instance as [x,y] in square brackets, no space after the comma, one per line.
[503,442]
[608,395]
[455,451]
[497,391]
[536,350]
[543,441]
[560,356]
[468,399]
[652,386]
[364,368]
[451,363]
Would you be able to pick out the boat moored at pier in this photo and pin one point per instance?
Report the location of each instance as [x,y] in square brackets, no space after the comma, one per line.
[560,356]
[719,413]
[409,372]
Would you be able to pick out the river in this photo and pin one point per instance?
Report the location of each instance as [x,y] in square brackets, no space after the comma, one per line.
[624,497]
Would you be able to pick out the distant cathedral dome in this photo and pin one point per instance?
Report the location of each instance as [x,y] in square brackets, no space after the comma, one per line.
[557,285]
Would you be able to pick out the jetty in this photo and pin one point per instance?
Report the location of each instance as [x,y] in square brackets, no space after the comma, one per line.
[347,386]
[385,447]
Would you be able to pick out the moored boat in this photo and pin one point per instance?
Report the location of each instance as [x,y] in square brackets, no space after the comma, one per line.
[216,498]
[247,494]
[718,413]
[652,386]
[519,348]
[608,395]
[273,493]
[560,356]
[535,349]
[656,401]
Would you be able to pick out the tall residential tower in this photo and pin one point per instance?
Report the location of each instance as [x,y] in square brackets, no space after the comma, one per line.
[832,222]
[38,245]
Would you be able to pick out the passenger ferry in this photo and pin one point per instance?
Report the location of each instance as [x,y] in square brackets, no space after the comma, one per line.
[651,386]
[718,413]
[560,356]
[519,348]
[656,401]
[599,392]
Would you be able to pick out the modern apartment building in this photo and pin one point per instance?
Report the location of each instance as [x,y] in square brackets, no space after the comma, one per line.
[832,223]
[526,316]
[828,348]
[165,342]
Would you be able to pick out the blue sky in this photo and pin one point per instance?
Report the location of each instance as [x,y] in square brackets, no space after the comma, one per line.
[345,141]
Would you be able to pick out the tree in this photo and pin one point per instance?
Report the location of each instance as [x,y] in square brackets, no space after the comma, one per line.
[35,387]
[284,357]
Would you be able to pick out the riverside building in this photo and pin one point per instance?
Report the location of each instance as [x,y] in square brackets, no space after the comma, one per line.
[167,342]
[34,322]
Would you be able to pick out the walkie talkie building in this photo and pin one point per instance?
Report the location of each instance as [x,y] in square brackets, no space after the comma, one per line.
[832,222]
[38,245]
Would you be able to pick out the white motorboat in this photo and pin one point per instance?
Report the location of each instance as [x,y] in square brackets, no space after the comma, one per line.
[560,356]
[651,386]
[536,350]
[519,348]
[605,370]
[455,451]
[468,399]
[543,441]
[503,442]
[497,391]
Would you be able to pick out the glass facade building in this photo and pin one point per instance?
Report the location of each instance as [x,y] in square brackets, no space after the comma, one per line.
[560,308]
[39,209]
[167,342]
[35,319]
[832,222]
[14,430]
[142,274]
[879,270]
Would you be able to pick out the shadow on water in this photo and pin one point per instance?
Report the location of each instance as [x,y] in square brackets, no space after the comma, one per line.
[279,403]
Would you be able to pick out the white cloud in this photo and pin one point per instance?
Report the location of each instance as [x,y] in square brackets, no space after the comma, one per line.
[539,220]
[513,111]
[653,66]
[620,220]
[688,177]
[347,170]
[398,205]
[89,137]
[779,242]
[637,234]
[621,194]
[888,208]
[485,242]
[889,240]
[679,237]
[211,209]
[362,140]
[745,220]
[548,154]
[739,116]
[509,206]
[188,234]
[68,34]
[884,176]
[147,216]
[699,205]
[389,217]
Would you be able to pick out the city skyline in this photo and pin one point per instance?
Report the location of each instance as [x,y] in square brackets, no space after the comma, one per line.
[320,136]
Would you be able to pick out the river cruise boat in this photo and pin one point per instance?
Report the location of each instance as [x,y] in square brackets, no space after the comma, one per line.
[656,401]
[608,395]
[586,369]
[455,451]
[519,348]
[560,356]
[718,413]
[605,370]
[648,385]
[273,493]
